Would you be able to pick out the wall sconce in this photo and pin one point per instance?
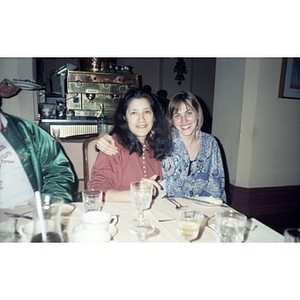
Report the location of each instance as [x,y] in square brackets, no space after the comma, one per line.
[180,69]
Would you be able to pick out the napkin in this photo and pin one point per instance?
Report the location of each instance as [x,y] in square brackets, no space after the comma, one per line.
[162,193]
[209,200]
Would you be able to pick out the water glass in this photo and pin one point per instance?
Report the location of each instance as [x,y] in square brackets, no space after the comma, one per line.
[92,199]
[230,226]
[141,198]
[292,235]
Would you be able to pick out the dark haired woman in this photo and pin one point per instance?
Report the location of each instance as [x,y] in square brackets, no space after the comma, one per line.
[142,139]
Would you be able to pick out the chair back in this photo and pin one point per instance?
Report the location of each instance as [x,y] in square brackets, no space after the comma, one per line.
[89,156]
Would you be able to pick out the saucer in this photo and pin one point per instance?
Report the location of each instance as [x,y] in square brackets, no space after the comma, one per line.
[67,208]
[25,85]
[112,230]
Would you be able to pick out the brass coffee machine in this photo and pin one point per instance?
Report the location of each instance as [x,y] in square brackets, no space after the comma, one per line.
[88,97]
[97,94]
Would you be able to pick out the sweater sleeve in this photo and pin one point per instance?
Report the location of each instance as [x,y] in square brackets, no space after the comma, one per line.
[107,171]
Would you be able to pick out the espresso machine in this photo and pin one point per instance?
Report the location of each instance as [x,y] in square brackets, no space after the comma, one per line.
[93,94]
[90,99]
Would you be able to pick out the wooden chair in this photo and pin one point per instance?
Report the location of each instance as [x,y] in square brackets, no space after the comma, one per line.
[89,156]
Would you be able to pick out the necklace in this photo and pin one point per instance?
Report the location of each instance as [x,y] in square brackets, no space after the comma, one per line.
[144,161]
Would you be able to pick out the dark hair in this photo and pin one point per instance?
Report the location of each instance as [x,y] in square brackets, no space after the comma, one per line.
[188,99]
[159,137]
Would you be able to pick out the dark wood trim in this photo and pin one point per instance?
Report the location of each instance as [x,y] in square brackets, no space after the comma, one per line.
[265,200]
[282,77]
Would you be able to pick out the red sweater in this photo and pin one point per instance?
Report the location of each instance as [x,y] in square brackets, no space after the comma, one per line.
[119,170]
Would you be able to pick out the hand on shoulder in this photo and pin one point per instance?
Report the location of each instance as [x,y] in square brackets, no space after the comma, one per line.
[106,144]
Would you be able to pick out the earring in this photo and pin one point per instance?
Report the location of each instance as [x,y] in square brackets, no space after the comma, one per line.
[152,133]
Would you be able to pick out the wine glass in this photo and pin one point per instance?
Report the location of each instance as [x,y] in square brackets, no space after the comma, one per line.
[292,235]
[141,197]
[188,223]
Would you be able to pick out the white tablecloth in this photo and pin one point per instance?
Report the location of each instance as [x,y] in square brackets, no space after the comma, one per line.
[167,231]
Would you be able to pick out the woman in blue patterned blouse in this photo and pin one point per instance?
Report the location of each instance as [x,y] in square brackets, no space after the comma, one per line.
[194,168]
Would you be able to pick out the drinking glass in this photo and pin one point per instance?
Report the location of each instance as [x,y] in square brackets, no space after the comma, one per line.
[188,223]
[230,226]
[46,227]
[292,235]
[141,197]
[92,199]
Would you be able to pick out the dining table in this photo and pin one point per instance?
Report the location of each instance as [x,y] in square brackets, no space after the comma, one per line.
[162,215]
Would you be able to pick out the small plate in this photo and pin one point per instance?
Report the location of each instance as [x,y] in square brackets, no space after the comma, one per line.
[25,85]
[67,208]
[112,230]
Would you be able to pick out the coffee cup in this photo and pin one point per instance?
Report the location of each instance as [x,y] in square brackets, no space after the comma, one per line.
[98,220]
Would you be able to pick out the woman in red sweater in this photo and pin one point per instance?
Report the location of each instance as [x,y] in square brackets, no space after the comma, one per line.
[142,139]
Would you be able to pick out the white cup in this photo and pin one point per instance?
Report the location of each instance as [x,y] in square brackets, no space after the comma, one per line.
[91,236]
[6,230]
[26,231]
[98,220]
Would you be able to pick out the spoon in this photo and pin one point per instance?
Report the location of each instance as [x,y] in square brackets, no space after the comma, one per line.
[166,220]
[17,216]
[176,203]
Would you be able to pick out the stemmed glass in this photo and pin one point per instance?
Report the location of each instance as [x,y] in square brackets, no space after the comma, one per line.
[141,197]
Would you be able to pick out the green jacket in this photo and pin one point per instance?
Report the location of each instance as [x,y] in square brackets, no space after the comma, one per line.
[46,165]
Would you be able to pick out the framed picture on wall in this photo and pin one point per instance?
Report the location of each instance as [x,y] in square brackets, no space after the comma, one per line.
[290,78]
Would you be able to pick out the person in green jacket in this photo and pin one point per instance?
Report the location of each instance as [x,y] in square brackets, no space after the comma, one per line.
[30,160]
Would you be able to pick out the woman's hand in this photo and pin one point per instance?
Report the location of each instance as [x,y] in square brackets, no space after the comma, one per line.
[106,144]
[156,185]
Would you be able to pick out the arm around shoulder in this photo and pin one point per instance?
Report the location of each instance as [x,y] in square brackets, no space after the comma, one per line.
[117,196]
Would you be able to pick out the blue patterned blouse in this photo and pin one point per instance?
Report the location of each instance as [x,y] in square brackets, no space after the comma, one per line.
[202,177]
